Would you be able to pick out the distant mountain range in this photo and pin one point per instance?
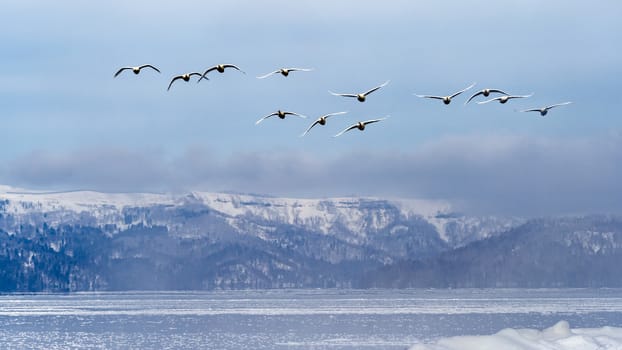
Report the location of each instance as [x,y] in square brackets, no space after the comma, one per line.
[74,241]
[542,253]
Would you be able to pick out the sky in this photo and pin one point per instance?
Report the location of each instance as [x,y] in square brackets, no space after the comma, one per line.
[67,124]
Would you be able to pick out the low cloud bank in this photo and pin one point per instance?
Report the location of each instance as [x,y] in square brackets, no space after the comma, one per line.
[512,175]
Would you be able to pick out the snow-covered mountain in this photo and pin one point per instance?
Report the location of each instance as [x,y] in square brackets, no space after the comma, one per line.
[196,214]
[88,240]
[578,251]
[83,240]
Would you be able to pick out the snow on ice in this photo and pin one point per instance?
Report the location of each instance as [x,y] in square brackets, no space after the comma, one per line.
[558,337]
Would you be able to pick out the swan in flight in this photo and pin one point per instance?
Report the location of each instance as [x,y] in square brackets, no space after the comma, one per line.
[220,68]
[285,72]
[360,125]
[544,110]
[486,93]
[505,98]
[280,114]
[137,69]
[361,97]
[321,120]
[446,99]
[184,77]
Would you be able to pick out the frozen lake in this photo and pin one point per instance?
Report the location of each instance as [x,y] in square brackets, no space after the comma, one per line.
[290,319]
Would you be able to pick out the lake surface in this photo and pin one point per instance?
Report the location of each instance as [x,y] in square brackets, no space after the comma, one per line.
[290,319]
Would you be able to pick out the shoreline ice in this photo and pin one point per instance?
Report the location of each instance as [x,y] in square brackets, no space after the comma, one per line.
[558,337]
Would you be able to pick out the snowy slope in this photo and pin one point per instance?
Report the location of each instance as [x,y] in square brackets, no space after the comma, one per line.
[355,218]
[558,337]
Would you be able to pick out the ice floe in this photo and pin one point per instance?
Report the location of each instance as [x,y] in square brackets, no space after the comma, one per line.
[558,337]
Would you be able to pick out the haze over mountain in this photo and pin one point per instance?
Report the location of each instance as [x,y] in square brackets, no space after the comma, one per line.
[96,241]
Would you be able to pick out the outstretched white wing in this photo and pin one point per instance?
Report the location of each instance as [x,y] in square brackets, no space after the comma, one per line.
[430,96]
[344,95]
[354,126]
[532,110]
[492,99]
[269,74]
[266,117]
[310,127]
[461,91]
[376,88]
[296,114]
[558,104]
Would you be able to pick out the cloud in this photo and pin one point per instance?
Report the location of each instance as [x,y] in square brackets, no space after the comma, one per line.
[99,169]
[523,175]
[499,174]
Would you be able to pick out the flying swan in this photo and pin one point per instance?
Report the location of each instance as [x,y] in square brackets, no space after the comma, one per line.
[360,125]
[446,99]
[137,69]
[361,97]
[280,114]
[321,120]
[544,110]
[285,72]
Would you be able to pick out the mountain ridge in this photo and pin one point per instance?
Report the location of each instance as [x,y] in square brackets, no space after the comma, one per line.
[320,214]
[85,240]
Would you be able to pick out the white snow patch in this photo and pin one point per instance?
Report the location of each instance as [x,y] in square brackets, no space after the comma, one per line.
[79,201]
[352,217]
[558,337]
[55,246]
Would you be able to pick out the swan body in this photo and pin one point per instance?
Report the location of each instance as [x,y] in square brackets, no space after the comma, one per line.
[505,98]
[220,68]
[321,121]
[280,114]
[446,99]
[136,69]
[360,125]
[485,93]
[544,110]
[362,96]
[285,72]
[184,77]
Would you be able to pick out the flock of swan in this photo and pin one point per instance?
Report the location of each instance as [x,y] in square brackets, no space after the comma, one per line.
[361,97]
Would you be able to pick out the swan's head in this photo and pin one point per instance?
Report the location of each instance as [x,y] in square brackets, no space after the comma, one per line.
[361,98]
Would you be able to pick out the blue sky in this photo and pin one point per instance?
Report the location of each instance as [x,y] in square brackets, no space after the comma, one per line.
[67,124]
